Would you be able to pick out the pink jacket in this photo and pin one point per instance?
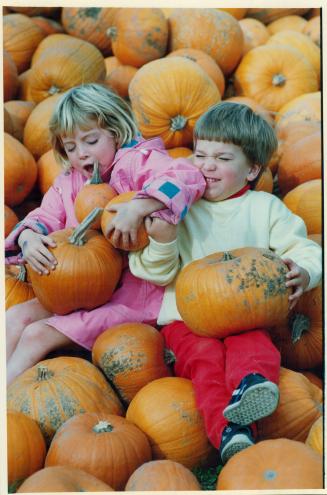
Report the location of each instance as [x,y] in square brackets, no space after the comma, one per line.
[143,166]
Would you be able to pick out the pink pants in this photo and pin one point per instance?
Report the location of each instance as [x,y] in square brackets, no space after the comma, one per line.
[216,368]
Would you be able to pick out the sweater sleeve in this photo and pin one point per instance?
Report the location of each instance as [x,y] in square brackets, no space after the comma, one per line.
[288,238]
[157,262]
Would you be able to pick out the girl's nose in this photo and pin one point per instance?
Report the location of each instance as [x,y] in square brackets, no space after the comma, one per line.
[82,151]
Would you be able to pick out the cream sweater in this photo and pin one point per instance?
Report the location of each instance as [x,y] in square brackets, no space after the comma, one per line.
[256,219]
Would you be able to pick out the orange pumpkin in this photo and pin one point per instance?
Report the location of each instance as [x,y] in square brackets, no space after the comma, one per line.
[180,151]
[111,63]
[300,404]
[305,200]
[265,181]
[62,479]
[119,79]
[130,355]
[273,465]
[55,389]
[166,412]
[273,75]
[109,447]
[313,378]
[10,77]
[10,220]
[139,35]
[233,291]
[255,33]
[17,289]
[7,123]
[289,134]
[157,93]
[107,216]
[25,448]
[88,267]
[215,32]
[269,15]
[19,112]
[315,436]
[49,26]
[162,475]
[20,171]
[237,13]
[304,107]
[30,11]
[289,22]
[24,86]
[48,169]
[313,30]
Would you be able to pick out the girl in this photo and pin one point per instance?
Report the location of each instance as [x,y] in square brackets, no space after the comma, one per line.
[91,123]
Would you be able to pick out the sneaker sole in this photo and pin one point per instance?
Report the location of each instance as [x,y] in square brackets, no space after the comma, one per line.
[258,402]
[234,449]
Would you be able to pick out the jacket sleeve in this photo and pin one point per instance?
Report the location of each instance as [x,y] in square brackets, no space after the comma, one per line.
[47,218]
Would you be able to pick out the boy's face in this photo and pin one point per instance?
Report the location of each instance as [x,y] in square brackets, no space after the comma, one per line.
[224,167]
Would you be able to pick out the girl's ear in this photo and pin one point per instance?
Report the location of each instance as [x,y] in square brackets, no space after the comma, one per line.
[254,172]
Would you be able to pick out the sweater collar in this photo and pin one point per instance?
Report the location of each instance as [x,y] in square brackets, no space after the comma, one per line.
[239,193]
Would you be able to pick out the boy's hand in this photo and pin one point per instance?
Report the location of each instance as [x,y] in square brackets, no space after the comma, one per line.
[35,252]
[297,278]
[160,230]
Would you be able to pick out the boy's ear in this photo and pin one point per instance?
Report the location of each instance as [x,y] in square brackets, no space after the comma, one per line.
[254,172]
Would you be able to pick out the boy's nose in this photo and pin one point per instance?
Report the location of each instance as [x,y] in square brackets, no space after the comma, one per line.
[209,163]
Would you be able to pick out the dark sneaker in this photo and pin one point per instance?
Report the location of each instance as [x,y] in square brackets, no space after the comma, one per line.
[255,398]
[234,439]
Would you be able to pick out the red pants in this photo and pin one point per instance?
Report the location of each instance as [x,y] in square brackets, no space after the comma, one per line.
[216,367]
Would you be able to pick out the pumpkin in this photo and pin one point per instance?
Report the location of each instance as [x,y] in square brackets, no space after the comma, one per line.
[237,13]
[273,75]
[79,62]
[255,106]
[162,475]
[304,107]
[36,136]
[313,30]
[51,42]
[90,24]
[142,236]
[19,112]
[289,134]
[269,15]
[49,26]
[313,13]
[25,448]
[300,404]
[55,389]
[305,200]
[130,355]
[289,22]
[20,171]
[313,378]
[24,86]
[315,436]
[179,151]
[62,479]
[47,170]
[17,289]
[20,38]
[7,123]
[306,167]
[233,291]
[157,93]
[139,35]
[265,181]
[273,465]
[207,63]
[30,11]
[300,342]
[119,79]
[215,32]
[88,267]
[10,77]
[95,194]
[255,33]
[165,410]
[105,445]
[10,220]
[111,63]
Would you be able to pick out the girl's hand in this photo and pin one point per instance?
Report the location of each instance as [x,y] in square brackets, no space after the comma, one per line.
[160,230]
[297,278]
[35,252]
[124,224]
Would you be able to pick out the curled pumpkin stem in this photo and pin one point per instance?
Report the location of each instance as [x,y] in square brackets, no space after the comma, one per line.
[300,323]
[102,427]
[78,235]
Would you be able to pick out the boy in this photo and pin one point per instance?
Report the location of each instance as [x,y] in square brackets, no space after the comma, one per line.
[235,379]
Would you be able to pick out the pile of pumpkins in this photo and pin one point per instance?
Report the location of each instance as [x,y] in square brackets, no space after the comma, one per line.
[70,420]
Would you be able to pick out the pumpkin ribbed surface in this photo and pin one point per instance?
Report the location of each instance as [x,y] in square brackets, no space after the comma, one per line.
[304,107]
[305,200]
[17,289]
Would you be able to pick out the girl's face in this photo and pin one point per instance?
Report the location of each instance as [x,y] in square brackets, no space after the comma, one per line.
[85,147]
[224,167]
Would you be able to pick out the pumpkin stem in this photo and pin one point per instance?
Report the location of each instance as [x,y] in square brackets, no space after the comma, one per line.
[300,323]
[78,235]
[178,123]
[53,90]
[102,427]
[169,357]
[22,273]
[227,256]
[43,373]
[278,80]
[112,32]
[96,178]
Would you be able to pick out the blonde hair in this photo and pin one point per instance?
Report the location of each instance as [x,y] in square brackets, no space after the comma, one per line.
[88,105]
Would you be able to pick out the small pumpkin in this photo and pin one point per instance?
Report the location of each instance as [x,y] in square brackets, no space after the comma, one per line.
[49,26]
[88,267]
[255,33]
[47,170]
[17,289]
[289,22]
[313,30]
[24,86]
[63,479]
[10,219]
[233,291]
[19,112]
[55,389]
[315,436]
[119,79]
[109,447]
[10,77]
[162,475]
[26,448]
[291,133]
[305,200]
[304,107]
[130,355]
[269,15]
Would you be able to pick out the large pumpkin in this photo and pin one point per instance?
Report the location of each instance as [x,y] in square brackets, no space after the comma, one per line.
[292,132]
[304,107]
[17,289]
[56,389]
[63,479]
[168,96]
[273,465]
[255,33]
[25,448]
[105,445]
[166,412]
[233,291]
[130,355]
[88,268]
[305,200]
